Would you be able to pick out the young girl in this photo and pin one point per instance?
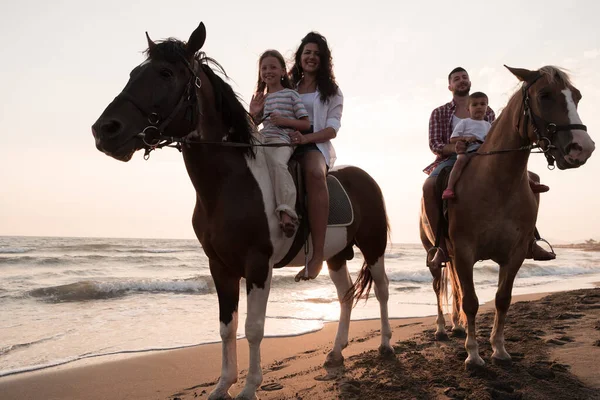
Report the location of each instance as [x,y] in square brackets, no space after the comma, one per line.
[283,113]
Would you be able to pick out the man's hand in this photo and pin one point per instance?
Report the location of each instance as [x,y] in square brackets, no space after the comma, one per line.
[460,147]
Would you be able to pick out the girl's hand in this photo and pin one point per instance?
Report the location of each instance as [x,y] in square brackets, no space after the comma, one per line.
[257,103]
[277,119]
[297,138]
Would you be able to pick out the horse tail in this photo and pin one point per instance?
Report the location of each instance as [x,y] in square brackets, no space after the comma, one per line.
[457,293]
[361,287]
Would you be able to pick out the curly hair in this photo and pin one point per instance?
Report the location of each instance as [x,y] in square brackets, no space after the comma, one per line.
[326,83]
[285,80]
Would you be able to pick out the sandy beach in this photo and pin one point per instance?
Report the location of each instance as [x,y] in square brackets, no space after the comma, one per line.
[554,340]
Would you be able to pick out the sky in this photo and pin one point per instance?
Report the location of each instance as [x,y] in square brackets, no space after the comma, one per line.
[64,61]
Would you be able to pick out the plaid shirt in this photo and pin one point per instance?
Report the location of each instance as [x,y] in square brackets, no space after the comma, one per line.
[440,130]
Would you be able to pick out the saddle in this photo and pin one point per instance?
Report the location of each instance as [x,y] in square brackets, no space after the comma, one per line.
[341,212]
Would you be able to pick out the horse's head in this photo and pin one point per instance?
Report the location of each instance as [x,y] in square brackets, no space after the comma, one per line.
[549,116]
[159,99]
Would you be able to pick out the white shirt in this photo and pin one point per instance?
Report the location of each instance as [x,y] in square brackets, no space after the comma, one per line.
[455,121]
[325,115]
[472,127]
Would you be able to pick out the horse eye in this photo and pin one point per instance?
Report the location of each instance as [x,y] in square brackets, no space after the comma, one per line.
[166,73]
[544,96]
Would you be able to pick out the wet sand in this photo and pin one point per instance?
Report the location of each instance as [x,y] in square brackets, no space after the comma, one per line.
[554,341]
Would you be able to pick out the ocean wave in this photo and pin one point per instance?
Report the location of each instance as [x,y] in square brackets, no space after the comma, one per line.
[419,276]
[90,258]
[532,270]
[394,255]
[14,250]
[92,290]
[12,347]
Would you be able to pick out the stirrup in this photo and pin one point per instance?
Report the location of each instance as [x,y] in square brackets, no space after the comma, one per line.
[435,249]
[545,241]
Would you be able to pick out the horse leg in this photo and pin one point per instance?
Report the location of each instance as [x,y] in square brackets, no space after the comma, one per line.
[382,284]
[470,305]
[440,282]
[508,272]
[228,292]
[458,330]
[258,286]
[438,287]
[338,272]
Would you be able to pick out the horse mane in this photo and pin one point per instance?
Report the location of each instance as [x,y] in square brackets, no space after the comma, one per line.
[227,102]
[555,74]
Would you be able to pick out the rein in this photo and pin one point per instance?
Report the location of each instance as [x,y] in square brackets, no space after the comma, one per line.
[153,135]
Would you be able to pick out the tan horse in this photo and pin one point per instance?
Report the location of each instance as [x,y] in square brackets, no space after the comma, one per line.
[494,214]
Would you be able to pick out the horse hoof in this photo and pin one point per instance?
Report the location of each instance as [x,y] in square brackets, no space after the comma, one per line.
[220,396]
[333,361]
[472,363]
[244,397]
[441,336]
[459,333]
[387,352]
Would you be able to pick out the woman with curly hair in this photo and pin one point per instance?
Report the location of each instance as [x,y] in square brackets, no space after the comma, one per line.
[312,76]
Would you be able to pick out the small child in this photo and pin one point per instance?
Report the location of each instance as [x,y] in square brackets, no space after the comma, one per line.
[473,131]
[283,113]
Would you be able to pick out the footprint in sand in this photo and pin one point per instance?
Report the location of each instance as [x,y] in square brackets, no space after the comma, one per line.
[269,387]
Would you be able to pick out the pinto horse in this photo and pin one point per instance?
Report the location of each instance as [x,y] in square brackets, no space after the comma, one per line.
[175,93]
[494,214]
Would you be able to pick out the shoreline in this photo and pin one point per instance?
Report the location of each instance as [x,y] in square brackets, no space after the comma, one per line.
[163,373]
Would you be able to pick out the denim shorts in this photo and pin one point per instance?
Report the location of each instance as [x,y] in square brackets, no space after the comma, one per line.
[448,162]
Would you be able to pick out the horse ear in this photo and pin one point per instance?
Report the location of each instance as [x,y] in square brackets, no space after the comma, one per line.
[196,40]
[151,44]
[522,74]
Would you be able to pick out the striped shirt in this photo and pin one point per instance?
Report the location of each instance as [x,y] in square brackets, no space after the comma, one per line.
[440,130]
[288,104]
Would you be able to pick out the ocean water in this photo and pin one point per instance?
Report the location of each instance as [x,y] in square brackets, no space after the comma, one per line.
[65,299]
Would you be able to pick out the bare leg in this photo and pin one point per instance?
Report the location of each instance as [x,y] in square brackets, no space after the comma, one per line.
[315,170]
[461,161]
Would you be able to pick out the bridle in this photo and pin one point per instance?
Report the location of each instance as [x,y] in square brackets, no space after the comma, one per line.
[544,136]
[153,135]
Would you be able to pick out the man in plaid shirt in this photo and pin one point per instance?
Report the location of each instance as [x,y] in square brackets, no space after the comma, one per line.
[444,118]
[441,124]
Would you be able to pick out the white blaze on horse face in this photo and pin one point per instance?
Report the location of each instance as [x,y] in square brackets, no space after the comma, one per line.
[581,138]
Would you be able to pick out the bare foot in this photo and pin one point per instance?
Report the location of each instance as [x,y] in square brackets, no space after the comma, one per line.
[287,225]
[311,271]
